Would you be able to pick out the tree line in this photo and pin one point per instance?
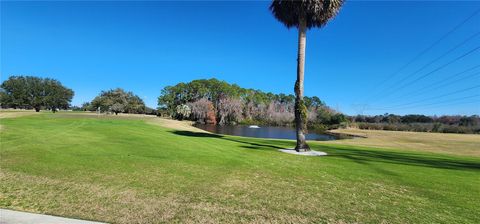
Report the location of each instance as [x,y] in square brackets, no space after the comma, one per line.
[418,122]
[213,101]
[29,92]
[116,101]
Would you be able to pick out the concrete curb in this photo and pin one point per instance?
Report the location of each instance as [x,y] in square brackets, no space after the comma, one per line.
[16,217]
[308,153]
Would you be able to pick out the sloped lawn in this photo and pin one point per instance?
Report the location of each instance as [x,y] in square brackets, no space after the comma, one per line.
[130,171]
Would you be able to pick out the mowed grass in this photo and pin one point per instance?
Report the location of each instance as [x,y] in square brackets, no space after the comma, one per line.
[129,170]
[455,144]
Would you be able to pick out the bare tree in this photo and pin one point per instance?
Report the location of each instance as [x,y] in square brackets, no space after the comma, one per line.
[229,110]
[202,110]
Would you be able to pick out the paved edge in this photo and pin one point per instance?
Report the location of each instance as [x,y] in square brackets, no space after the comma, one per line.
[308,153]
[17,217]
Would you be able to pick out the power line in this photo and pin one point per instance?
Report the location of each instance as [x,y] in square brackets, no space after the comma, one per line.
[426,49]
[453,100]
[435,97]
[439,68]
[446,84]
[437,83]
[438,58]
[431,72]
[448,101]
[453,104]
[435,103]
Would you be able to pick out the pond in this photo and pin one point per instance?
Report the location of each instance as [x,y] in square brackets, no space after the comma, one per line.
[262,132]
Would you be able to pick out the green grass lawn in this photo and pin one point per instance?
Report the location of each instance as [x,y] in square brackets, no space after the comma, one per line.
[129,171]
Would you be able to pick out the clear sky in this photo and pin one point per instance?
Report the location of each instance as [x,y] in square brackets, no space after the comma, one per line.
[145,46]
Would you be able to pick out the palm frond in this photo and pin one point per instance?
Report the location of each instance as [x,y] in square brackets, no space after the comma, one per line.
[316,13]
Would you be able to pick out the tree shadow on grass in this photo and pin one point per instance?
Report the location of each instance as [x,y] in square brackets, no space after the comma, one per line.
[197,134]
[365,156]
[361,156]
[249,144]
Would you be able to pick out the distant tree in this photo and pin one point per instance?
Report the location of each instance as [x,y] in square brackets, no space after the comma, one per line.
[229,110]
[313,102]
[469,121]
[5,100]
[151,111]
[324,115]
[203,111]
[448,120]
[416,118]
[230,103]
[34,92]
[56,96]
[303,14]
[118,101]
[75,108]
[86,106]
[278,113]
[183,111]
[135,105]
[211,116]
[359,118]
[118,107]
[418,122]
[338,119]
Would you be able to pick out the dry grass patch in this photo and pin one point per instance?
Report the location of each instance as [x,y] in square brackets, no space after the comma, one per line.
[458,144]
[174,124]
[92,201]
[14,114]
[84,200]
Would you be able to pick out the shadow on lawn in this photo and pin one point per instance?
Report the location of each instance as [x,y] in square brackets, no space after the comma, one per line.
[365,156]
[361,156]
[249,144]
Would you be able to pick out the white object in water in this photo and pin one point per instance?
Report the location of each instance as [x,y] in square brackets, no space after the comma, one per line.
[253,126]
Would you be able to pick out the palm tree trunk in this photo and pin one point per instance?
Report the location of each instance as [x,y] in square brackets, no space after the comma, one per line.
[300,109]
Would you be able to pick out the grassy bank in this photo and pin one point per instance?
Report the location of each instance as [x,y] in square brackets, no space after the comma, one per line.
[454,144]
[144,170]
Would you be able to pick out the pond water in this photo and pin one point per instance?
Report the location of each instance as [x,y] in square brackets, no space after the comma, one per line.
[262,132]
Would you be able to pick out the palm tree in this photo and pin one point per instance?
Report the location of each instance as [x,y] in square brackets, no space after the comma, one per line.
[303,14]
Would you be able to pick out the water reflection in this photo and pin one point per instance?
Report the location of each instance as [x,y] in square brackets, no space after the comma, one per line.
[262,132]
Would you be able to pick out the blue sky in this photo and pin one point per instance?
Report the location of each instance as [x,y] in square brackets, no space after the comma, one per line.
[145,46]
